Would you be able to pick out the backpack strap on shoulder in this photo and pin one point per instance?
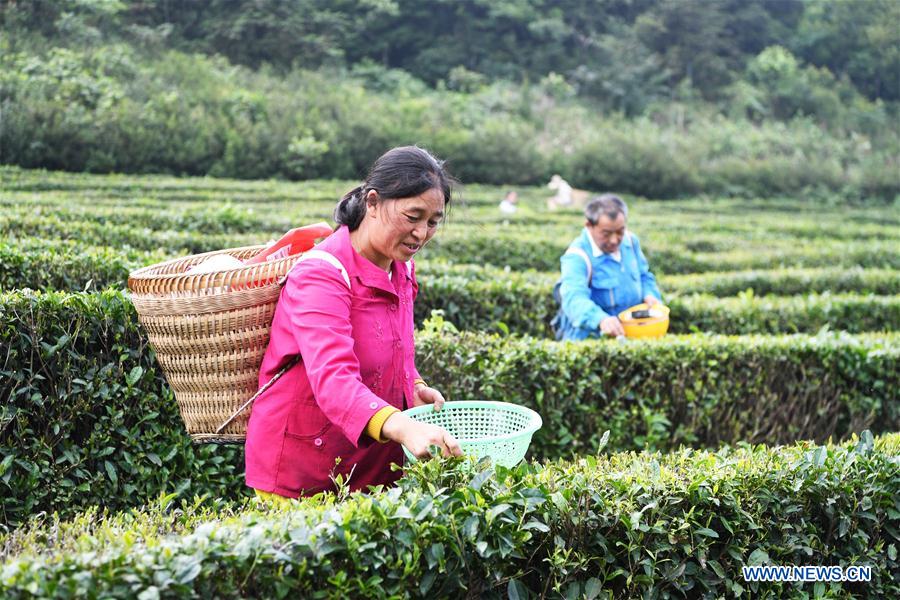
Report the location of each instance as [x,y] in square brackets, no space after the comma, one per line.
[587,260]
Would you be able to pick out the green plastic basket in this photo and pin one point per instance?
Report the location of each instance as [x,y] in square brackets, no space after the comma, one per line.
[500,430]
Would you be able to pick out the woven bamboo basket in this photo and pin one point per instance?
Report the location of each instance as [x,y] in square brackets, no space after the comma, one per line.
[210,332]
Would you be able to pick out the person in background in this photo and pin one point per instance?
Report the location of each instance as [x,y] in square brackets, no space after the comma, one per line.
[566,196]
[508,204]
[348,312]
[604,272]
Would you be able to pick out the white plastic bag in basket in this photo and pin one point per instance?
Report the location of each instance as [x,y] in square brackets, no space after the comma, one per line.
[219,262]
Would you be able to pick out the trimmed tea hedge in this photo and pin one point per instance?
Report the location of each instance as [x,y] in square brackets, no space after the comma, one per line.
[516,303]
[786,282]
[207,229]
[85,415]
[537,250]
[65,188]
[67,266]
[773,314]
[777,282]
[133,237]
[87,418]
[621,526]
[677,390]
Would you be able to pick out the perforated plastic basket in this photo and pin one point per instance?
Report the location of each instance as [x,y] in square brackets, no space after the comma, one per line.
[500,430]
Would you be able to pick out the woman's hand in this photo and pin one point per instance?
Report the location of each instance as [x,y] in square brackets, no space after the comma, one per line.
[650,300]
[417,437]
[422,394]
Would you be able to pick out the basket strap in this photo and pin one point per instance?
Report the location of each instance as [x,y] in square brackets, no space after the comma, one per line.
[268,384]
[334,262]
[328,257]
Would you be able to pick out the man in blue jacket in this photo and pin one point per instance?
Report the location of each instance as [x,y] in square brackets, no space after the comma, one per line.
[603,273]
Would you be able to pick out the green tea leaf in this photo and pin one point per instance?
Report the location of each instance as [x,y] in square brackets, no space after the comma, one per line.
[134,375]
[515,590]
[758,557]
[111,471]
[592,588]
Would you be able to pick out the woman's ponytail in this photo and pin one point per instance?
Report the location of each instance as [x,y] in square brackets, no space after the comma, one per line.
[351,209]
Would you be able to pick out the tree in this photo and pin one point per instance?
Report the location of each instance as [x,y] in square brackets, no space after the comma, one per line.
[860,39]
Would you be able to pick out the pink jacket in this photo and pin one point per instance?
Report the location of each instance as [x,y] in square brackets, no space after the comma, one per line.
[357,355]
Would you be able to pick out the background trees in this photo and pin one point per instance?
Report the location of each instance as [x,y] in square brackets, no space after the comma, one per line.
[510,90]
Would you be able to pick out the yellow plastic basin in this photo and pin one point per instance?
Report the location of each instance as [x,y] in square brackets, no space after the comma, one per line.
[648,327]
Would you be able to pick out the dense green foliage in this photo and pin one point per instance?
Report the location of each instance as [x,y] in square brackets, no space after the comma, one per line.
[535,247]
[702,390]
[618,526]
[504,305]
[86,416]
[660,97]
[778,119]
[762,282]
[685,236]
[88,419]
[625,53]
[787,282]
[42,264]
[528,310]
[489,299]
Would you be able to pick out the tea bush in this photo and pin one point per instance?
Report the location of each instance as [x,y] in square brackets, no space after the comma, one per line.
[513,303]
[762,282]
[86,416]
[612,526]
[696,390]
[88,419]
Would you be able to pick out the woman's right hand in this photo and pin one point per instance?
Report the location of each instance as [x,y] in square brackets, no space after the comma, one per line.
[417,437]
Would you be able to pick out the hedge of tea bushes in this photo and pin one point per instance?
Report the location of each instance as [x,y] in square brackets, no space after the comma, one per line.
[31,184]
[85,415]
[698,390]
[605,526]
[66,265]
[88,419]
[762,282]
[213,216]
[540,251]
[491,299]
[798,214]
[522,249]
[135,237]
[773,314]
[525,305]
[786,282]
[695,222]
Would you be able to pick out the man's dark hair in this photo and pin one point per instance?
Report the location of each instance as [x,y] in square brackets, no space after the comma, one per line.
[607,204]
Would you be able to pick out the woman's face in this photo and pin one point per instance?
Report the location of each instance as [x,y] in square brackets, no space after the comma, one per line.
[399,228]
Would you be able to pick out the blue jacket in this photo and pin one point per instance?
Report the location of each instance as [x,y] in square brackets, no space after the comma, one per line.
[614,286]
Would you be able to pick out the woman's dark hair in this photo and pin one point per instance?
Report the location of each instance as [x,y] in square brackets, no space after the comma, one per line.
[401,172]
